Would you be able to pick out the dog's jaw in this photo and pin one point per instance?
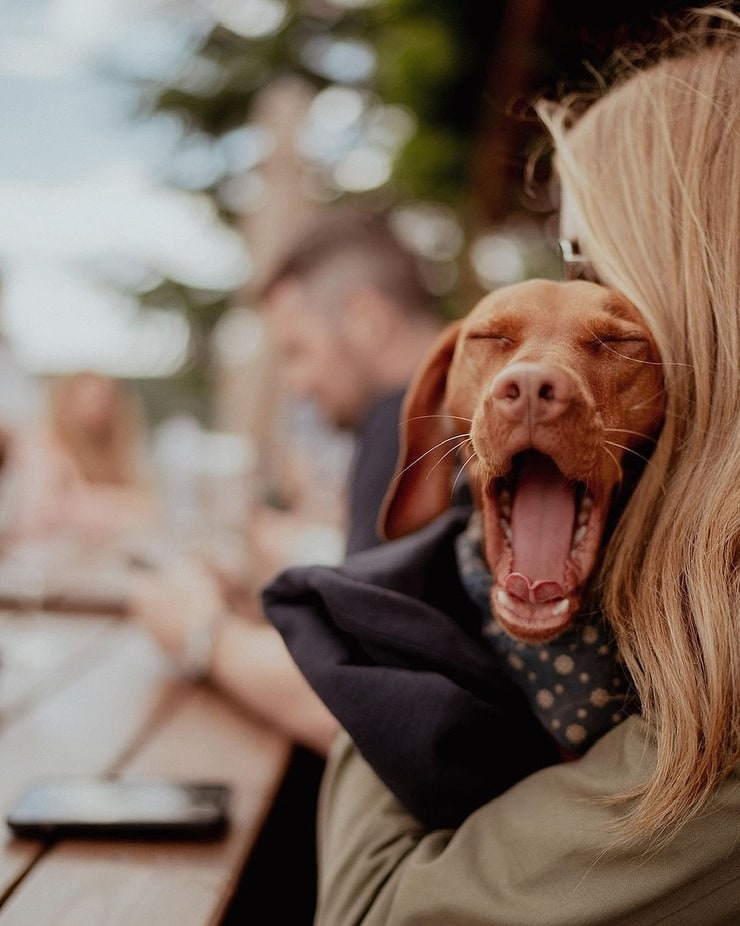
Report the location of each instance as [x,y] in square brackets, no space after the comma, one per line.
[540,569]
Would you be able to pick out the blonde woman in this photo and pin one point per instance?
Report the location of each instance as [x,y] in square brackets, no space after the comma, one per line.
[644,828]
[79,473]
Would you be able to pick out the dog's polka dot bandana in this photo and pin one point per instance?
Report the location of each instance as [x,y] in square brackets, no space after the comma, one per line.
[575,683]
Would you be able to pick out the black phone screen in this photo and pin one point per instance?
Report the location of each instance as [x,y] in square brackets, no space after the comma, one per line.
[132,808]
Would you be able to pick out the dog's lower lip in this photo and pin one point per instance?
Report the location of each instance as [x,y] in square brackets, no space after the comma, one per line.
[557,607]
[540,627]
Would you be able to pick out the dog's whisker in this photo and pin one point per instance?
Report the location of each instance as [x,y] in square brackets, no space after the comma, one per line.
[446,454]
[472,456]
[615,461]
[426,453]
[628,450]
[638,406]
[635,433]
[673,363]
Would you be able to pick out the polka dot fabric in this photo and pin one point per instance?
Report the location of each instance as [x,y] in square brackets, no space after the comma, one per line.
[575,683]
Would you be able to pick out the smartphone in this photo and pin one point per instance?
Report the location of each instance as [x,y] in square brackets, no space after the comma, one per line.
[121,807]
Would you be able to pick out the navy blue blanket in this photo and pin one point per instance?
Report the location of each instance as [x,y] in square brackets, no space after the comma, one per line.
[391,643]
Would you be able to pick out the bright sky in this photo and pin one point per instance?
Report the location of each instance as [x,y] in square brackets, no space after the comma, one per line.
[84,218]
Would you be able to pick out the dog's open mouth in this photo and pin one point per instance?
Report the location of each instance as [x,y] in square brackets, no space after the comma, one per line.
[542,535]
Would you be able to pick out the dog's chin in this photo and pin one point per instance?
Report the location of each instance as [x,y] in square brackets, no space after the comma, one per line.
[534,623]
[542,534]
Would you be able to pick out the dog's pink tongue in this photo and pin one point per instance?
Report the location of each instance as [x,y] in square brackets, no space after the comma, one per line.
[542,518]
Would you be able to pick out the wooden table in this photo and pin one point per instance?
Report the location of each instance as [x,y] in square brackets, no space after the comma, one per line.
[91,694]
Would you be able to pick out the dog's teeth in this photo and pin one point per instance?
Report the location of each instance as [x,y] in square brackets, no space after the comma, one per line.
[579,535]
[503,599]
[561,607]
[505,509]
[583,516]
[506,528]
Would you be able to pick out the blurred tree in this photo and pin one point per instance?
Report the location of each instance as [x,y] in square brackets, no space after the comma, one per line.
[418,100]
[425,57]
[461,70]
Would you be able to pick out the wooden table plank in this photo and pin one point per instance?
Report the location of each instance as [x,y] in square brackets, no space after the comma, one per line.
[36,575]
[39,653]
[96,889]
[86,726]
[162,727]
[189,884]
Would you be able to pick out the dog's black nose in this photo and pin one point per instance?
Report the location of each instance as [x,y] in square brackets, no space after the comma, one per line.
[536,392]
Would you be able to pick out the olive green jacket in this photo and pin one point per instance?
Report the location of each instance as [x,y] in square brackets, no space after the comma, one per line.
[538,855]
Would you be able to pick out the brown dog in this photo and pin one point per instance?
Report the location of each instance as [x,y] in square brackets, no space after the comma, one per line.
[547,391]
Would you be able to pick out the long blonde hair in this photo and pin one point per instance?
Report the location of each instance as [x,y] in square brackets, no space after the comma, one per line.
[653,169]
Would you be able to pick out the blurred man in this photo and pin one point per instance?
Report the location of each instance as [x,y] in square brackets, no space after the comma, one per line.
[350,319]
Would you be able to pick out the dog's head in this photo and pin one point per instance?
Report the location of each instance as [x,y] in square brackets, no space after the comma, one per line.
[544,393]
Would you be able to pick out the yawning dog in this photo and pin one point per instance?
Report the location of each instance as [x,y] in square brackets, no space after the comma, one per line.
[545,394]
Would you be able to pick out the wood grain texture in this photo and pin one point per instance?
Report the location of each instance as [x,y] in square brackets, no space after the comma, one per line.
[124,712]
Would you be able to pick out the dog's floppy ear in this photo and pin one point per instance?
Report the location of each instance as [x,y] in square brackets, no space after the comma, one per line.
[420,488]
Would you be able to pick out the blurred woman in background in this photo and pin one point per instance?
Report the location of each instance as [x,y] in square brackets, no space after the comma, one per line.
[80,471]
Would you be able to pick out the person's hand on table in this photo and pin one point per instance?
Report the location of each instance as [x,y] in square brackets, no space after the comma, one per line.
[180,605]
[279,539]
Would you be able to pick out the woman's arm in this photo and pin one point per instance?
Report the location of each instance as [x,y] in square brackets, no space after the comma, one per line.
[536,855]
[252,664]
[246,658]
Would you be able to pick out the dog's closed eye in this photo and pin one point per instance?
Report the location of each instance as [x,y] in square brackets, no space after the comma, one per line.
[502,339]
[616,335]
[504,330]
[629,347]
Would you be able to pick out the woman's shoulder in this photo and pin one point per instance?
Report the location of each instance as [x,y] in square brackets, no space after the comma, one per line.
[545,850]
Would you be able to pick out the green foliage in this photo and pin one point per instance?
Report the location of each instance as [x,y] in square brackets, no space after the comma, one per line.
[417,59]
[432,165]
